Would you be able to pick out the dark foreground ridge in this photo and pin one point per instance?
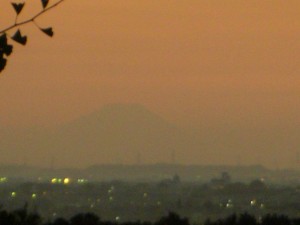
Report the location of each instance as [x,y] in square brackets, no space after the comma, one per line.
[22,216]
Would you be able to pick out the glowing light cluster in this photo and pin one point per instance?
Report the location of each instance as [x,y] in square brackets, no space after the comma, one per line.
[3,179]
[81,181]
[60,180]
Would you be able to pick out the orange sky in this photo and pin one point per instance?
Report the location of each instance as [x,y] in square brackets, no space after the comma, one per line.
[206,63]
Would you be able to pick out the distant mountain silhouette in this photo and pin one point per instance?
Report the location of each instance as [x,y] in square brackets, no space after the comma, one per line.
[117,134]
[132,134]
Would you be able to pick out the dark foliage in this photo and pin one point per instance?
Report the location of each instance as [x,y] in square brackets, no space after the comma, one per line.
[23,217]
[276,220]
[20,216]
[5,50]
[85,219]
[172,219]
[18,37]
[247,219]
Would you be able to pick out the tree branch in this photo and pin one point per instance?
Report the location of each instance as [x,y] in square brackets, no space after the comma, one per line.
[32,18]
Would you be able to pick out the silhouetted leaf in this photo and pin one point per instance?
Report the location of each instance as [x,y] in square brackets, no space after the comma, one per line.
[48,31]
[4,47]
[3,40]
[45,3]
[8,50]
[18,7]
[19,38]
[2,63]
[5,50]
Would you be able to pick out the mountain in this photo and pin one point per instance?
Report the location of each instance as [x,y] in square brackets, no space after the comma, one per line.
[117,134]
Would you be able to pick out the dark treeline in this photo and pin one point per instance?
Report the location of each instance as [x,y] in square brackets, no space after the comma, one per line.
[247,219]
[23,217]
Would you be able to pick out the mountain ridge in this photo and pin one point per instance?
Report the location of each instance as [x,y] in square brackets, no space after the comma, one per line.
[114,134]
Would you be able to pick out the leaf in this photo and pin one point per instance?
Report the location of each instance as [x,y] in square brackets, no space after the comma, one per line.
[2,63]
[48,31]
[7,50]
[4,47]
[3,40]
[18,7]
[45,3]
[17,37]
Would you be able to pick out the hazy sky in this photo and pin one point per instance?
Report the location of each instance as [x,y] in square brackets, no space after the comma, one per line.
[204,63]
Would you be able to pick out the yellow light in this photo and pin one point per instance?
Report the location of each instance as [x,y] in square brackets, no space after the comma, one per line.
[3,179]
[66,180]
[253,202]
[54,181]
[13,194]
[33,196]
